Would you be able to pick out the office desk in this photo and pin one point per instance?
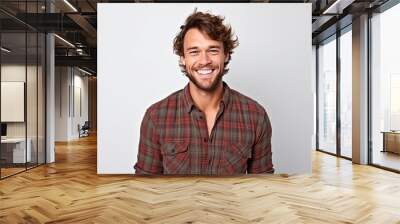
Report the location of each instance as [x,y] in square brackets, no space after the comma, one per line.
[15,148]
[391,141]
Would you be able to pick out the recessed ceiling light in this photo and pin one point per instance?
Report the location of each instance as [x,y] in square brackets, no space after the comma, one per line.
[5,50]
[70,5]
[84,71]
[338,6]
[64,40]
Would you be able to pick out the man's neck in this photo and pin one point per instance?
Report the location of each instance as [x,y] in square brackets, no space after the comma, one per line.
[206,100]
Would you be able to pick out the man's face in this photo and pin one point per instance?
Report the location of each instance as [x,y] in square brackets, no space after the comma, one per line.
[203,59]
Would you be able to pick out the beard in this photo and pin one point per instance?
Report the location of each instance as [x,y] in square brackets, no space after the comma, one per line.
[209,88]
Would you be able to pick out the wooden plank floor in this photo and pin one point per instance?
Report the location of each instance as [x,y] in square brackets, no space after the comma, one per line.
[70,191]
[10,171]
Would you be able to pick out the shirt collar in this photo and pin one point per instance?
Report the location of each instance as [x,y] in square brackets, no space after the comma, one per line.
[189,104]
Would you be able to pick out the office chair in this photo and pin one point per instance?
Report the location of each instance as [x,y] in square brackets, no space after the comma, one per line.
[84,130]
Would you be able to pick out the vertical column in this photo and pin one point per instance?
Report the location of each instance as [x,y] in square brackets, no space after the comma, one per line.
[50,92]
[360,90]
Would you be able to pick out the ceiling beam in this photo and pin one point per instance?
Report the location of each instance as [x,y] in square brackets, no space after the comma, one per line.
[85,61]
[86,26]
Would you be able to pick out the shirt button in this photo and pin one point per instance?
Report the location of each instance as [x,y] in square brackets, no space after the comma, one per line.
[205,139]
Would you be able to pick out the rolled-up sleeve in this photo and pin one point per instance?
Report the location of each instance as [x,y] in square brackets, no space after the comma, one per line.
[149,158]
[261,160]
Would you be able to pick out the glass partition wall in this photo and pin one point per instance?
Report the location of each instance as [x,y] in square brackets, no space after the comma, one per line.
[22,88]
[13,110]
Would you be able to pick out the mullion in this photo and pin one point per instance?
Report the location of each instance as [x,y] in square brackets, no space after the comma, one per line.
[317,95]
[338,98]
[26,86]
[37,90]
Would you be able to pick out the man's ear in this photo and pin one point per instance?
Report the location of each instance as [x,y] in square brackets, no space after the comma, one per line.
[182,60]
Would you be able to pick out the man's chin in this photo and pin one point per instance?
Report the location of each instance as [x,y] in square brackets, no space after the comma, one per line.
[206,87]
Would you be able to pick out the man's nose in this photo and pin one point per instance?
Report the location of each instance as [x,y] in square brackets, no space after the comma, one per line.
[204,58]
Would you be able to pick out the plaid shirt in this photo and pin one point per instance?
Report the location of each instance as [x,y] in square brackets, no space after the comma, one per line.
[174,137]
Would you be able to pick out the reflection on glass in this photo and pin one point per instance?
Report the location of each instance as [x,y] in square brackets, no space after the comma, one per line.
[346,93]
[327,97]
[386,89]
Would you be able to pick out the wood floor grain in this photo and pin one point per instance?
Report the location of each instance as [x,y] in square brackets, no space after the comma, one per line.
[70,191]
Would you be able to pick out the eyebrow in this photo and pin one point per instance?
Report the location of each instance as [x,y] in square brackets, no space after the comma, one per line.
[215,46]
[192,48]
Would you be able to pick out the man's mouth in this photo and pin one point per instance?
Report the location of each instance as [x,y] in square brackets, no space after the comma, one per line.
[205,71]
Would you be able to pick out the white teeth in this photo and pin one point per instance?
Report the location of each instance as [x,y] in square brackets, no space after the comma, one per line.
[204,71]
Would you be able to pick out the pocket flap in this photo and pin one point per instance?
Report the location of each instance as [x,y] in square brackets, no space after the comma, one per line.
[172,148]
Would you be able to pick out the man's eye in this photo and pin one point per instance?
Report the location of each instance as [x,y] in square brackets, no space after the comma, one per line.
[193,52]
[214,51]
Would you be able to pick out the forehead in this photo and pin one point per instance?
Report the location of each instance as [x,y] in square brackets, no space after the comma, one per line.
[195,38]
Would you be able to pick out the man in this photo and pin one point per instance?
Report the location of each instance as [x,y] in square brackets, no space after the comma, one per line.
[207,128]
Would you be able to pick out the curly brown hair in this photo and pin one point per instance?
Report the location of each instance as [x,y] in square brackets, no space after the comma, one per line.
[211,25]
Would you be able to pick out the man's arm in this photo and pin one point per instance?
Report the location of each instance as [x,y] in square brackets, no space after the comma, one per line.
[261,161]
[149,155]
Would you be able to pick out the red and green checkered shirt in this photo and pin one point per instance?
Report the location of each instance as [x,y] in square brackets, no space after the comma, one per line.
[174,137]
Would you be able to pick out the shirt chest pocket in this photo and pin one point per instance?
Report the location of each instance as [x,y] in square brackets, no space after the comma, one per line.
[176,158]
[235,157]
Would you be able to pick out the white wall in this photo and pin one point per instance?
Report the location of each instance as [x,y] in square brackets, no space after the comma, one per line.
[137,67]
[61,103]
[68,81]
[18,73]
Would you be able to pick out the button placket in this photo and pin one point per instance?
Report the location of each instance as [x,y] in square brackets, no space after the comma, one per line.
[203,126]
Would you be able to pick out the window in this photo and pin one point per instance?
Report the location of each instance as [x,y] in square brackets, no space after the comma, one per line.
[346,93]
[327,96]
[385,88]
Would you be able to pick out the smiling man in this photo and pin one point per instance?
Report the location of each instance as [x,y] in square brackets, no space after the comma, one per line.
[207,128]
